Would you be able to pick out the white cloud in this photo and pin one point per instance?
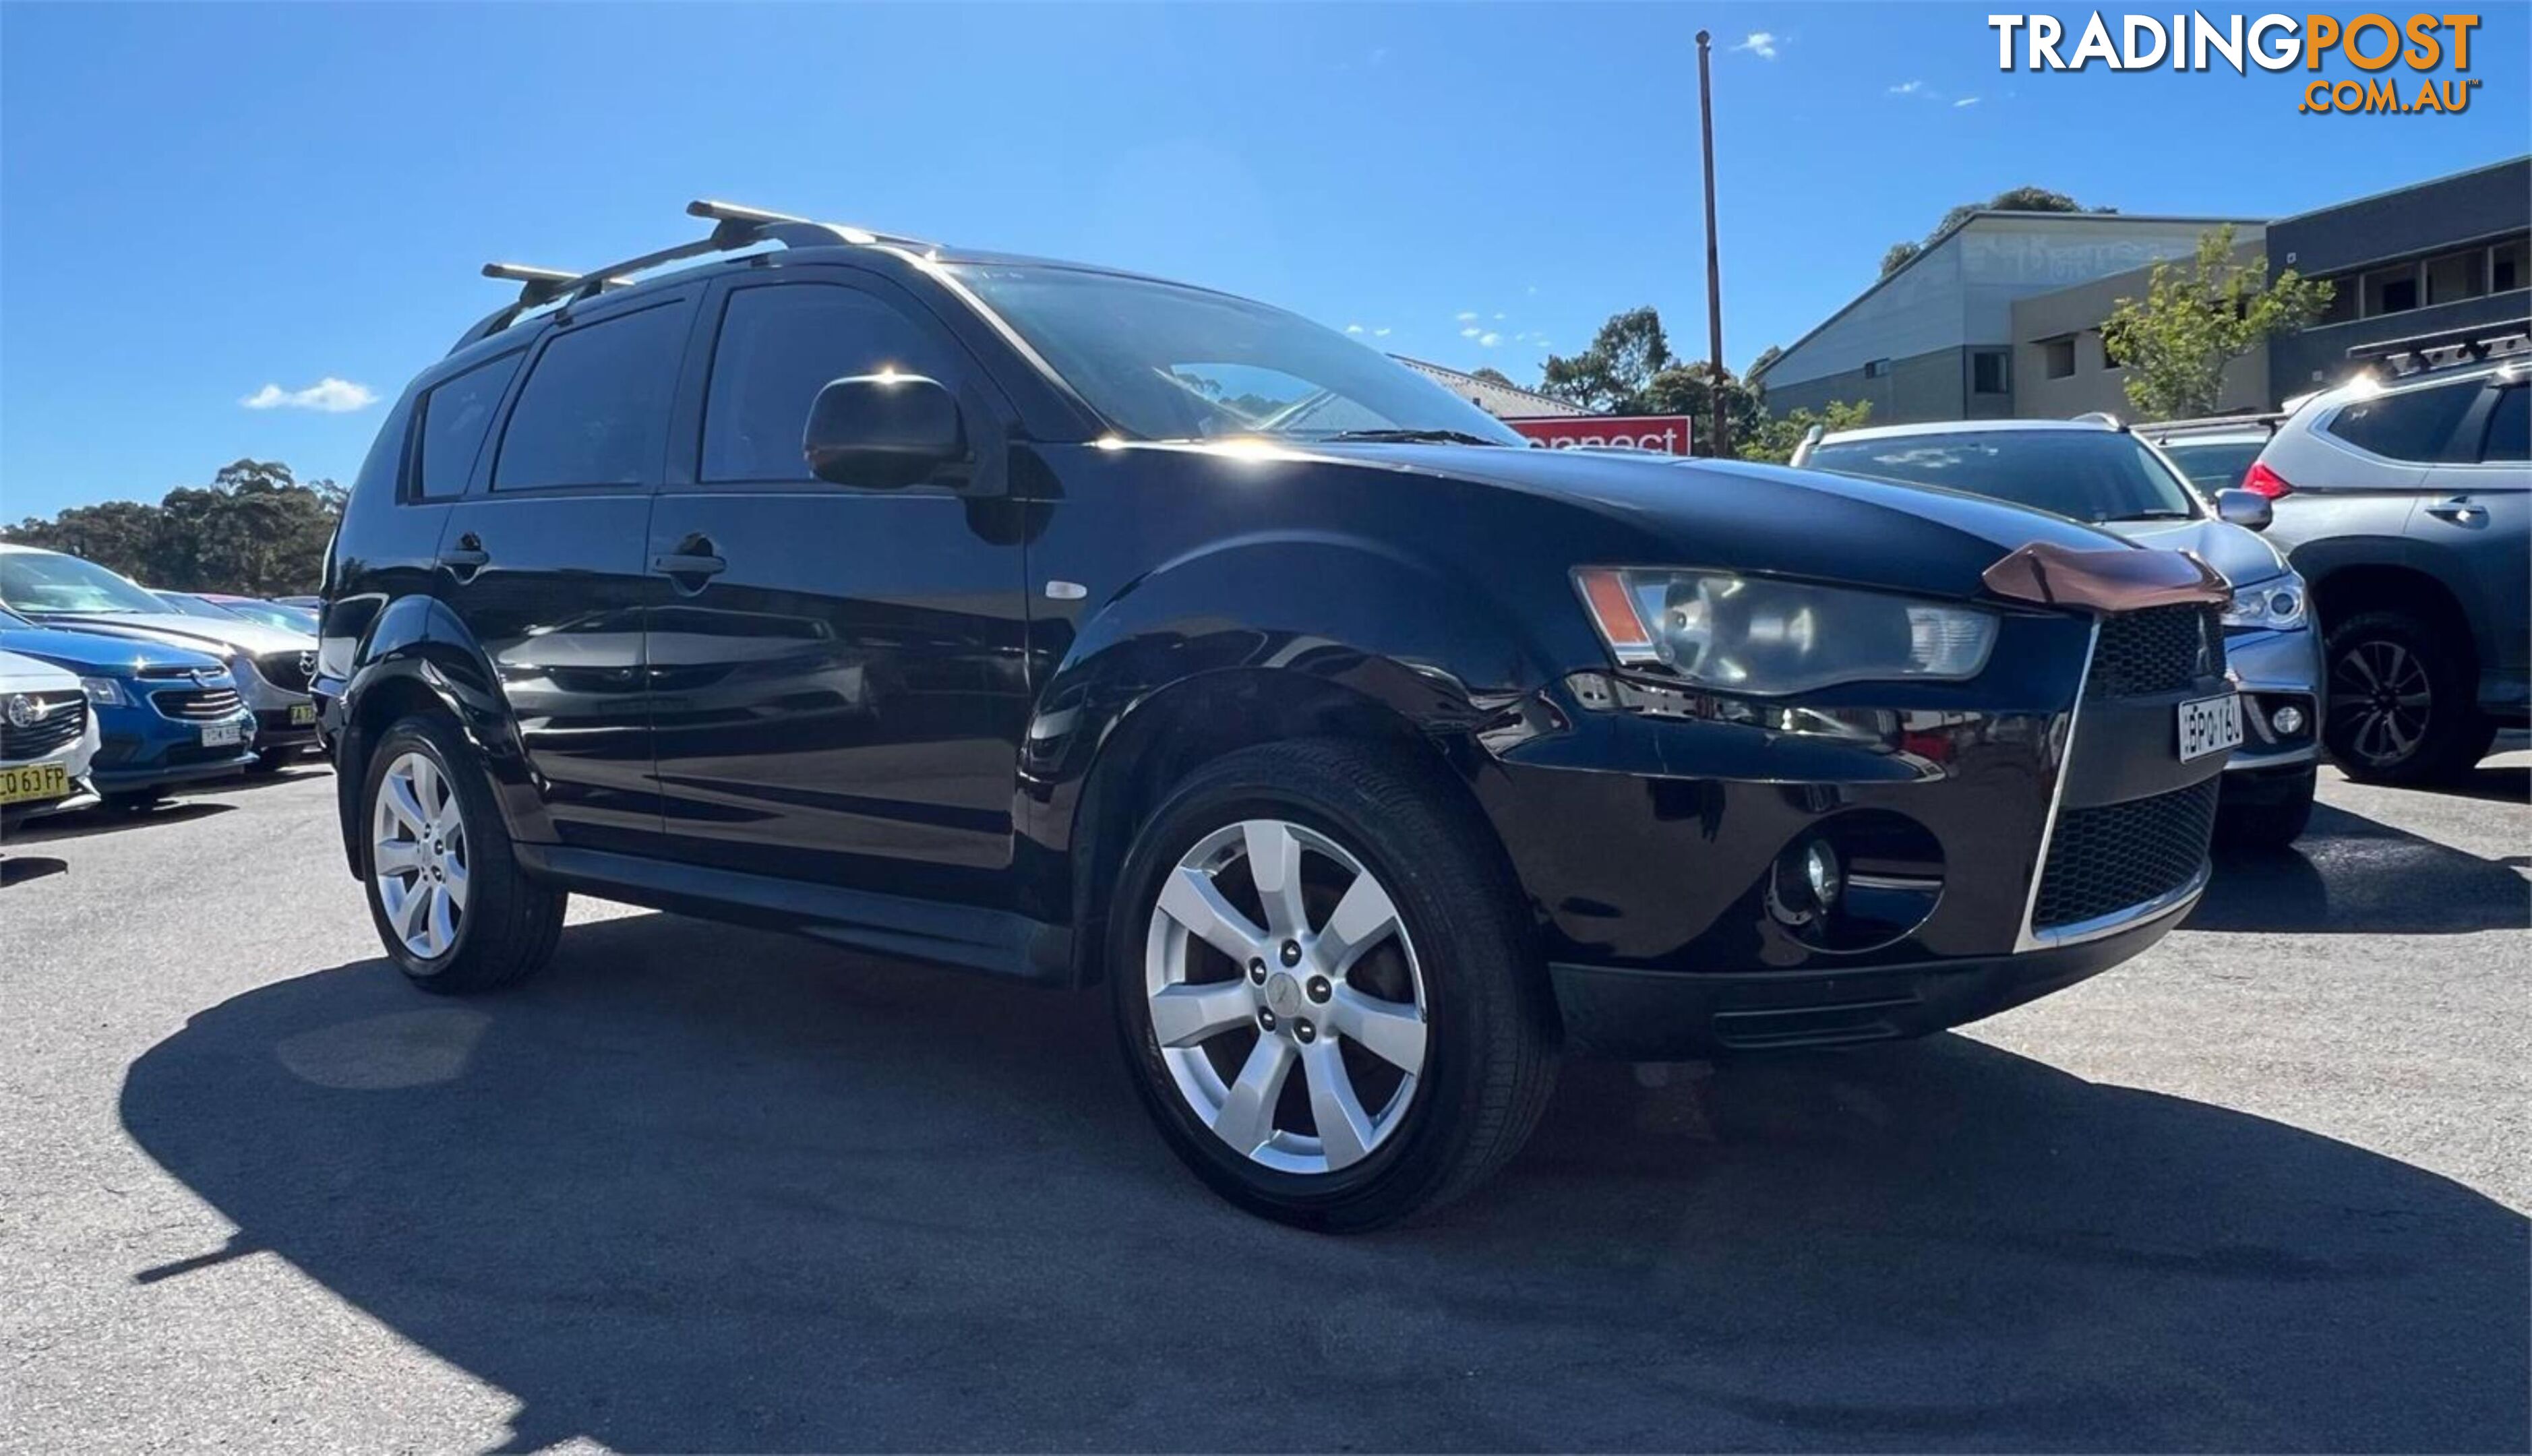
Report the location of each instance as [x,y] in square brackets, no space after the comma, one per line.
[329,395]
[1761,43]
[1489,339]
[1472,331]
[1908,88]
[1467,315]
[1380,333]
[1353,329]
[1531,290]
[1965,102]
[1499,317]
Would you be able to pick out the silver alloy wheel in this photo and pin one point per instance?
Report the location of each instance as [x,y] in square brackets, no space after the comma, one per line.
[418,855]
[2382,690]
[1290,987]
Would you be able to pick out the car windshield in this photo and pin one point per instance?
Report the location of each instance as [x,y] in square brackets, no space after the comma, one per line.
[1158,361]
[2214,465]
[273,615]
[10,620]
[2090,475]
[189,604]
[48,581]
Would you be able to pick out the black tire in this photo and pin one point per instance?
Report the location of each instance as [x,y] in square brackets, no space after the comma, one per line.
[2445,735]
[1489,1059]
[2272,818]
[510,923]
[270,762]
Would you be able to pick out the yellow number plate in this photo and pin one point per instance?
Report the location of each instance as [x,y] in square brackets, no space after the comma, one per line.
[42,780]
[302,714]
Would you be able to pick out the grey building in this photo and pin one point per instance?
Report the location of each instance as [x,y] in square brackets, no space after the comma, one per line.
[2061,367]
[1935,340]
[2438,257]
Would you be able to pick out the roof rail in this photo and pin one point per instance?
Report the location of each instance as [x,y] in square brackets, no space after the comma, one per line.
[2466,345]
[733,227]
[2102,417]
[2269,419]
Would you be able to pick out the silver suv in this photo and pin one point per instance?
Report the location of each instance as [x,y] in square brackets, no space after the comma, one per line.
[2407,505]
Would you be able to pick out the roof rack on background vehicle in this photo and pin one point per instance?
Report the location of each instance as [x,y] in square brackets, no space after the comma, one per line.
[2472,344]
[2267,420]
[735,226]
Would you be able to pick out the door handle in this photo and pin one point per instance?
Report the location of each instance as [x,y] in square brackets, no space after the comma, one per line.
[2458,510]
[678,565]
[466,558]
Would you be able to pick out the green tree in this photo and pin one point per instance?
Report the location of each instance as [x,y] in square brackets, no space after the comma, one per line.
[1690,390]
[255,530]
[1773,440]
[2200,316]
[1620,363]
[1493,375]
[1901,253]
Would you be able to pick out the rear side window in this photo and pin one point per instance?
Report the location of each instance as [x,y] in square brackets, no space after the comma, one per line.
[455,414]
[2509,426]
[778,346]
[2217,464]
[595,409]
[2412,425]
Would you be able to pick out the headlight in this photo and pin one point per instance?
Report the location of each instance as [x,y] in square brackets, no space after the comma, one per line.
[1748,635]
[2276,605]
[105,691]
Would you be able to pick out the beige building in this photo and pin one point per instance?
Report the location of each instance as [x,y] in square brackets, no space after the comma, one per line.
[2060,368]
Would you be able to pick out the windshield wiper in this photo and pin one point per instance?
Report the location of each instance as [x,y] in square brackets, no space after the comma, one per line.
[1412,436]
[2150,515]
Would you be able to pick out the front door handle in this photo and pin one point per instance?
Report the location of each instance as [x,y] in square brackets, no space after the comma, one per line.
[466,558]
[2458,510]
[688,566]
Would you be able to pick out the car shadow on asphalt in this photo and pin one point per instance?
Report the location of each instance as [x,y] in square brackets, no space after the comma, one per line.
[81,823]
[702,1189]
[18,870]
[2353,875]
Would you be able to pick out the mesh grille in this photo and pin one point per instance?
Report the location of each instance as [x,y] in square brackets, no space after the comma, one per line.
[2118,855]
[65,717]
[287,671]
[2159,650]
[196,704]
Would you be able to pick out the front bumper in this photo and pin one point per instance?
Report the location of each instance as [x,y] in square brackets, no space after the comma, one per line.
[145,748]
[1633,1014]
[73,757]
[2276,670]
[283,718]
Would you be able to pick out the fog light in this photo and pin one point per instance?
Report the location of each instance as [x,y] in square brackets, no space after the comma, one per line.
[1821,870]
[1806,883]
[2288,721]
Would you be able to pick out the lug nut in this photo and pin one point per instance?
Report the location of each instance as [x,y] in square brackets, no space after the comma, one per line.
[1305,1030]
[1292,953]
[1319,988]
[1256,972]
[1265,1019]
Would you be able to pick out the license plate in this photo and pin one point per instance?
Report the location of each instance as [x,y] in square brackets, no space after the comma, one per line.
[221,735]
[33,781]
[303,715]
[2210,725]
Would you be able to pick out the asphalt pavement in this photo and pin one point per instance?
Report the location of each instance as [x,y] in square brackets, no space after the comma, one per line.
[703,1189]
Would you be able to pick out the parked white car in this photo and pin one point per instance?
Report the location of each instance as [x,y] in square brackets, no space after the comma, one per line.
[47,736]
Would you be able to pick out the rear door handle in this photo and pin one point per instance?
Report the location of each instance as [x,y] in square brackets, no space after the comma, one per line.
[465,558]
[2458,510]
[685,565]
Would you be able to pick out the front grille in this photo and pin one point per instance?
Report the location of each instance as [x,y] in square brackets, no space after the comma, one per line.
[2118,855]
[2159,650]
[196,704]
[64,716]
[287,671]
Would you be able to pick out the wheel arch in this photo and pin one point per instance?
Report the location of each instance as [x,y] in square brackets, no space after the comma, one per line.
[2346,591]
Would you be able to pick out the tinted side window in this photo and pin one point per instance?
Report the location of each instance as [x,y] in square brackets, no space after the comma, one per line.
[455,414]
[2510,425]
[778,346]
[595,410]
[2413,425]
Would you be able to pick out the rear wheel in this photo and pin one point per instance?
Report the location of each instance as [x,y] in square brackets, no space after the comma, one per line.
[1323,986]
[445,892]
[2401,701]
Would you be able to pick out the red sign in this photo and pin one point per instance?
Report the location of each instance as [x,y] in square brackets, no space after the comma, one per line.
[1667,434]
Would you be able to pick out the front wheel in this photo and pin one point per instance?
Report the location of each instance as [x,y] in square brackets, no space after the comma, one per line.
[1324,985]
[445,891]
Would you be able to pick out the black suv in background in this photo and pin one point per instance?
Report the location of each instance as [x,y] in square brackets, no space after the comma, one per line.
[1076,626]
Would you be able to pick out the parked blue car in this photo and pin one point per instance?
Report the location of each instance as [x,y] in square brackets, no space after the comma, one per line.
[165,715]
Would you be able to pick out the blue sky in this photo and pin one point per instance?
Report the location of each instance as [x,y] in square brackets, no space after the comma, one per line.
[196,202]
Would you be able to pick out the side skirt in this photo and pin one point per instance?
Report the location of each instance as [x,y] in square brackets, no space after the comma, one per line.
[996,941]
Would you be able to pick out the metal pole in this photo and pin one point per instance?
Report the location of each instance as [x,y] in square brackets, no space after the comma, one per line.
[1713,249]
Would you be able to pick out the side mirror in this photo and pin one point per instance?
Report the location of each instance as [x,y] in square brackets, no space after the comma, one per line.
[2248,510]
[883,430]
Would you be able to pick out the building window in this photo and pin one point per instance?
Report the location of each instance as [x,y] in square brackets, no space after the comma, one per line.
[2342,308]
[1874,368]
[2506,266]
[2058,356]
[1992,371]
[2456,276]
[2391,290]
[2110,356]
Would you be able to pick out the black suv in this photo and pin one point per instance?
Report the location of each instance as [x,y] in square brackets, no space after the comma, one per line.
[1076,626]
